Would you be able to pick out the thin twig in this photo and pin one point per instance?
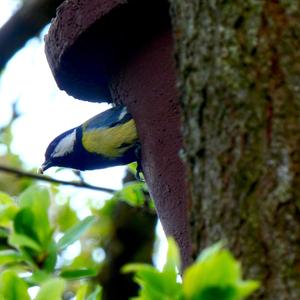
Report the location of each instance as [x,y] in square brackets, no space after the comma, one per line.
[20,173]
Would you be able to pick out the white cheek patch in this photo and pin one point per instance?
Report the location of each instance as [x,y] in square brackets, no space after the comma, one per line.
[66,145]
[122,114]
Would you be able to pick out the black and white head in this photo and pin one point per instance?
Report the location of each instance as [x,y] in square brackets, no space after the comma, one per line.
[60,152]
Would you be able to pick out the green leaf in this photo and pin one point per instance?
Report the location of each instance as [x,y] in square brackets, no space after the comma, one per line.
[216,274]
[66,217]
[132,167]
[50,261]
[20,240]
[51,289]
[10,256]
[37,200]
[36,197]
[38,277]
[12,287]
[155,284]
[4,233]
[79,273]
[132,193]
[8,209]
[150,280]
[246,288]
[210,251]
[216,292]
[23,224]
[96,294]
[6,199]
[74,233]
[173,260]
[7,214]
[81,292]
[218,270]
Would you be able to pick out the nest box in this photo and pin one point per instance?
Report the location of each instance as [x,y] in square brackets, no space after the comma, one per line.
[122,51]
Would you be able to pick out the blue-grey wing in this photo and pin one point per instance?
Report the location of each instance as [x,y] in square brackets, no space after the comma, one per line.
[109,118]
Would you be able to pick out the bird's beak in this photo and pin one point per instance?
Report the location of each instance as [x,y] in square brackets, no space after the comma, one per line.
[46,165]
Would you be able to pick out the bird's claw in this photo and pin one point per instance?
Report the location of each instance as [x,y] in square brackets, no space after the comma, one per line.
[138,173]
[139,168]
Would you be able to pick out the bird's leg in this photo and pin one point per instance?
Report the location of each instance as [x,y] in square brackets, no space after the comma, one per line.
[139,168]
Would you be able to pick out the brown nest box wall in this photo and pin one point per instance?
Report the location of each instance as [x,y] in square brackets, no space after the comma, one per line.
[122,51]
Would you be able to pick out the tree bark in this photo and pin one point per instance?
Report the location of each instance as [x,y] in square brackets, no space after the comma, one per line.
[239,76]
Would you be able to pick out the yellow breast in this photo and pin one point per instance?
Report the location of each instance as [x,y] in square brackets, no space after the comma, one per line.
[110,142]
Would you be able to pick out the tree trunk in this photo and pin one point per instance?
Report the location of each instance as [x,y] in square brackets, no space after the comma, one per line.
[238,65]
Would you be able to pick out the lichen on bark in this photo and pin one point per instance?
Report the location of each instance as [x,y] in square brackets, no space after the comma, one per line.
[239,77]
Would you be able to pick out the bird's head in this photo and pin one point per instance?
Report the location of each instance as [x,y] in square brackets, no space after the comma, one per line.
[60,152]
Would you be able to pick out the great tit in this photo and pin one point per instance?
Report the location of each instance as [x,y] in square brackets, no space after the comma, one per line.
[106,140]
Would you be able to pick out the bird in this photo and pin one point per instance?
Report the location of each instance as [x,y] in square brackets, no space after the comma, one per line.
[106,140]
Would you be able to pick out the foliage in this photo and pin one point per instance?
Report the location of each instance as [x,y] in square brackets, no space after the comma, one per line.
[32,250]
[31,256]
[135,194]
[215,275]
[8,182]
